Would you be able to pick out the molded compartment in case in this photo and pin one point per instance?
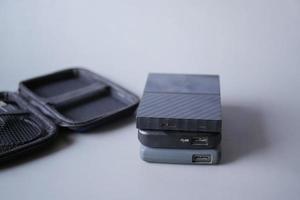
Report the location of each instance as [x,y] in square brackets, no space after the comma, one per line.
[91,107]
[77,98]
[57,84]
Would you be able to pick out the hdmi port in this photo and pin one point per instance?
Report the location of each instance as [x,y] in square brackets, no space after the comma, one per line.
[203,141]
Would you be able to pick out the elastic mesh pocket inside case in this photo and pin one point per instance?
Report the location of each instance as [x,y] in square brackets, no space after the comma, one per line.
[17,130]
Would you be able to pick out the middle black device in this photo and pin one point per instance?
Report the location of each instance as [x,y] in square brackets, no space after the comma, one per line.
[179,139]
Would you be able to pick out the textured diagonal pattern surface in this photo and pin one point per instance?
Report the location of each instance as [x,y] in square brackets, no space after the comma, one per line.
[184,106]
[183,83]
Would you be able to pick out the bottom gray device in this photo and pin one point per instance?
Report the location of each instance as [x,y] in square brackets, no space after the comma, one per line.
[181,156]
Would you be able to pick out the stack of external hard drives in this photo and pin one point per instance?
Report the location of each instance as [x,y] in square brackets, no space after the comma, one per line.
[179,119]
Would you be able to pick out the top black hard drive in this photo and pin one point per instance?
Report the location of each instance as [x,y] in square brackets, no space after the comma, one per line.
[181,102]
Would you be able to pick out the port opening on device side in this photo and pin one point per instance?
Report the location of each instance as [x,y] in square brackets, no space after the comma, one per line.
[168,125]
[199,141]
[201,158]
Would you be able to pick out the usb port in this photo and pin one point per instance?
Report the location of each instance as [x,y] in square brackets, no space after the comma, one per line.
[198,158]
[203,141]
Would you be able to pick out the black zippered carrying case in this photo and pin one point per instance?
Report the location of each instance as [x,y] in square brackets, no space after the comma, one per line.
[75,98]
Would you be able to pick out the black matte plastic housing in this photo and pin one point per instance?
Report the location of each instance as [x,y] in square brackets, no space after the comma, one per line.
[180,102]
[78,99]
[178,139]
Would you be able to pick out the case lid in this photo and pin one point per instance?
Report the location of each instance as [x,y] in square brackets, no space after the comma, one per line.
[77,98]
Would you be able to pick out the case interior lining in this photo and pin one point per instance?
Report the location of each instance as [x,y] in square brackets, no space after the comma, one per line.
[91,107]
[55,85]
[79,95]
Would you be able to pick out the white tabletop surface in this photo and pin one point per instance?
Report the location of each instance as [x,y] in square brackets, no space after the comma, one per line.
[253,45]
